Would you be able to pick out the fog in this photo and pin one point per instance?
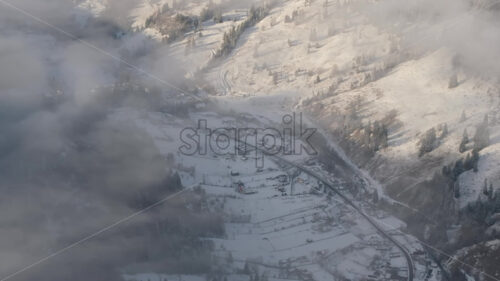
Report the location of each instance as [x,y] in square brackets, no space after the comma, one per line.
[67,169]
[469,28]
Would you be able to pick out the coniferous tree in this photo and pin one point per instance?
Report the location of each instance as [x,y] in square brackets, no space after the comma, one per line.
[246,269]
[475,159]
[464,142]
[468,162]
[444,131]
[482,135]
[445,170]
[457,169]
[176,181]
[427,142]
[457,191]
[485,187]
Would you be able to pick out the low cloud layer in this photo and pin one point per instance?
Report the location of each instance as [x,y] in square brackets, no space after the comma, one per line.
[67,169]
[470,28]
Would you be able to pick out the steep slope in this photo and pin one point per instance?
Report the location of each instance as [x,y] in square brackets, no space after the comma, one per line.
[396,84]
[397,97]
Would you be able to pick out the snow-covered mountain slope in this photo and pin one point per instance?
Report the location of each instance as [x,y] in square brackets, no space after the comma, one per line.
[414,70]
[330,57]
[396,84]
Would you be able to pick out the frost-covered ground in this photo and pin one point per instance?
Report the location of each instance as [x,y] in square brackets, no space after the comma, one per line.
[281,225]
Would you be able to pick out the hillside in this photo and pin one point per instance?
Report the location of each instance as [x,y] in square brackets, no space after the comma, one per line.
[350,69]
[394,85]
[250,140]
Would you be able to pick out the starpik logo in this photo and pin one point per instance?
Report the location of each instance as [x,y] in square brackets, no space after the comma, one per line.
[289,138]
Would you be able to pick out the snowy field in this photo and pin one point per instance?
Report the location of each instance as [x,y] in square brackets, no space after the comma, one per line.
[281,224]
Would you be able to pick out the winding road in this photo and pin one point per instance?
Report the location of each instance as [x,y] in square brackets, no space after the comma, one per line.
[381,231]
[409,259]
